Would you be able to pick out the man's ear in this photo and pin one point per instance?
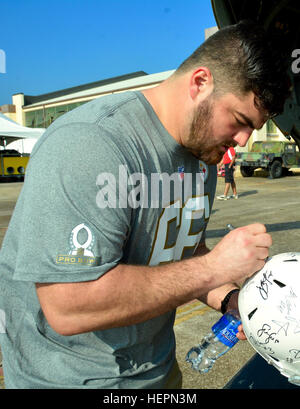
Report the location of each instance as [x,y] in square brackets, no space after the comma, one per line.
[201,83]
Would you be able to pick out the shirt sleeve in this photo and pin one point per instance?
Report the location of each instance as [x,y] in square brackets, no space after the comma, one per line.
[66,234]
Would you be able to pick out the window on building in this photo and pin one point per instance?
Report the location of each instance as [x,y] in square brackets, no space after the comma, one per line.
[30,119]
[42,118]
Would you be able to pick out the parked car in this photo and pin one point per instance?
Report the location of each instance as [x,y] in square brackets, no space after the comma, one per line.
[12,164]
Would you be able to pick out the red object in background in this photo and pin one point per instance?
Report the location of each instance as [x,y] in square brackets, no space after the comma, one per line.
[221,171]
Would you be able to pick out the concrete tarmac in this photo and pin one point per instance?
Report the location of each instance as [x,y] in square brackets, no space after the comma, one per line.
[275,203]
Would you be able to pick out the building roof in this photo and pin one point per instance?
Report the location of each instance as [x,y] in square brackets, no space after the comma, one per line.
[116,84]
[30,99]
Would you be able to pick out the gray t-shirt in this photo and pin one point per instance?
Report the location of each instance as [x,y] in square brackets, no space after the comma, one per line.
[96,194]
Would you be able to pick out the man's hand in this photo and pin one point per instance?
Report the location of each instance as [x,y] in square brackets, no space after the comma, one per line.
[233,305]
[240,253]
[241,335]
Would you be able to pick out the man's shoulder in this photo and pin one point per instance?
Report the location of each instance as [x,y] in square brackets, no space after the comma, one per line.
[93,111]
[92,123]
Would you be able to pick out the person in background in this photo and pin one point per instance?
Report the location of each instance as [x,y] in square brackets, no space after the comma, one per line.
[228,162]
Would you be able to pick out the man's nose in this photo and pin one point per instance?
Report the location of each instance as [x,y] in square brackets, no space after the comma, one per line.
[242,137]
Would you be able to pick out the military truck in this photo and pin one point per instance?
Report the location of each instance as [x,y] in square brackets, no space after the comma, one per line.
[276,157]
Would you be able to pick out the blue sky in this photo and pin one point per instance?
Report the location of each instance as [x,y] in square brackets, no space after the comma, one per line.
[55,44]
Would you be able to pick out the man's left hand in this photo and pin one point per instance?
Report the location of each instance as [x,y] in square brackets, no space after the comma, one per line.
[233,305]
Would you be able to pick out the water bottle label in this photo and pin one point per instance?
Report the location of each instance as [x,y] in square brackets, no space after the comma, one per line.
[226,331]
[221,324]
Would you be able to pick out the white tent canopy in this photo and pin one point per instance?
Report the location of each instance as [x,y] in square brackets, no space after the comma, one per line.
[22,145]
[10,131]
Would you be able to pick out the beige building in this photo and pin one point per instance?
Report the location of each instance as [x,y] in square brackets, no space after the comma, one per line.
[41,110]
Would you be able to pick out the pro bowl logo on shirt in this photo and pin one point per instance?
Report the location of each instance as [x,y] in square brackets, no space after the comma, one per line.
[81,248]
[85,247]
[204,170]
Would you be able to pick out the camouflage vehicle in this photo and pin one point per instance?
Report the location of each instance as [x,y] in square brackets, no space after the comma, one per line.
[276,157]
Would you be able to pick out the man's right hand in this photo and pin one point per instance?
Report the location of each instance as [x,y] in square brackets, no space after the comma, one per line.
[240,253]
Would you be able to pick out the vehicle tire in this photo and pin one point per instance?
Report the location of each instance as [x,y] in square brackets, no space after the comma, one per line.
[275,169]
[246,171]
[286,172]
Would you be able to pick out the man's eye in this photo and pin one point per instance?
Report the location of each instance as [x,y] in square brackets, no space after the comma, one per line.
[240,123]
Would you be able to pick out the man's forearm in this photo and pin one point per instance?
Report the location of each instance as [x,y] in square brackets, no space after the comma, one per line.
[214,297]
[125,295]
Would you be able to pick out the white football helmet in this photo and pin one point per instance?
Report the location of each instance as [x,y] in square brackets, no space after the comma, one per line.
[269,305]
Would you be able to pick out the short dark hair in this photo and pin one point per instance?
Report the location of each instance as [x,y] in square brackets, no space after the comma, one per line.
[243,58]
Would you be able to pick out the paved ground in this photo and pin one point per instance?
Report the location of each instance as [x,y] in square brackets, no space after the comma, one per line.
[275,203]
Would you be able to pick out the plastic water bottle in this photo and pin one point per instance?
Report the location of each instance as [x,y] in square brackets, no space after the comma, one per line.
[216,343]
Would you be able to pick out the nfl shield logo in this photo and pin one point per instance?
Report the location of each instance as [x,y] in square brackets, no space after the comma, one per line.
[181,172]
